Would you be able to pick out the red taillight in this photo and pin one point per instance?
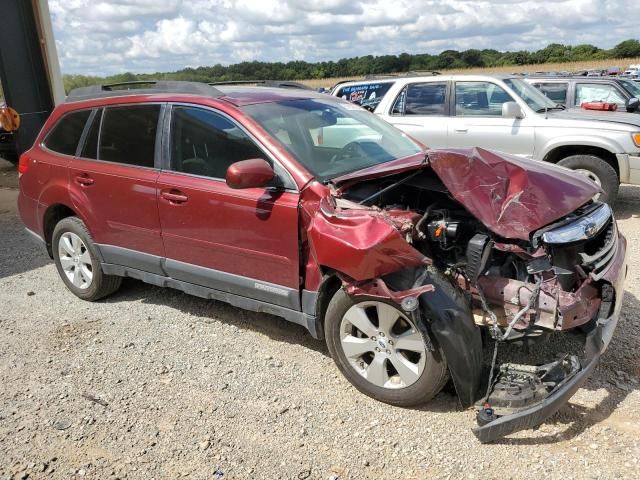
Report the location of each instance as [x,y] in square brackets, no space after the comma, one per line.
[23,164]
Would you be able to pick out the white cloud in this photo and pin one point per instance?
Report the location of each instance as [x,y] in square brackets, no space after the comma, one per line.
[113,36]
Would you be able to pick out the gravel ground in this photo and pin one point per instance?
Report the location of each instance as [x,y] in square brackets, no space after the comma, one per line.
[153,383]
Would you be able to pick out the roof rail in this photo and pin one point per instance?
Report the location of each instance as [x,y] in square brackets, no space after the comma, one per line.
[265,83]
[142,87]
[417,73]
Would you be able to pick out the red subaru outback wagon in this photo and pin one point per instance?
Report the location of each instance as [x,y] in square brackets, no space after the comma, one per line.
[409,262]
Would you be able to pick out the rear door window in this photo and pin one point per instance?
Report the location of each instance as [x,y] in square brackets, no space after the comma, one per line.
[422,99]
[598,92]
[90,147]
[554,91]
[128,134]
[64,137]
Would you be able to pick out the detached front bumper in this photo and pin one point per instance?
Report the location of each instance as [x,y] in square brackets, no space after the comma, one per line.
[596,343]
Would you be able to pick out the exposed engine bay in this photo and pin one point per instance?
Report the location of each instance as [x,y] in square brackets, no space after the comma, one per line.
[524,272]
[557,270]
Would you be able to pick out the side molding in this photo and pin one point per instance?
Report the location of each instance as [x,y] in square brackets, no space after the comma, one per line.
[298,317]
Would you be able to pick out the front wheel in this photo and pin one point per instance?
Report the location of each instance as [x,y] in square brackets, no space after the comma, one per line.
[599,171]
[382,351]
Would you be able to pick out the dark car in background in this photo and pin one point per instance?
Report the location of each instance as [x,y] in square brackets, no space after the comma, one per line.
[576,90]
[7,146]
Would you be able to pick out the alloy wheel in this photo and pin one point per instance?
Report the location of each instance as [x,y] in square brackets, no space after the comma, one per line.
[75,260]
[591,176]
[382,344]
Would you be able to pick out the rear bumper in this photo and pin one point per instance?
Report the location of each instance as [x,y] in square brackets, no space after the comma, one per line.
[27,212]
[596,343]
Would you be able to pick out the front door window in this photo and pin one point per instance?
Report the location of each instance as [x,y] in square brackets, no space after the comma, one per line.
[483,99]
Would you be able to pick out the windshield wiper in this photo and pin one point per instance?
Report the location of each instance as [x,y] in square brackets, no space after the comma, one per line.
[395,184]
[392,186]
[548,109]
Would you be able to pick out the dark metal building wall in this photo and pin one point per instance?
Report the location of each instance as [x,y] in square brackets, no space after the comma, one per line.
[22,69]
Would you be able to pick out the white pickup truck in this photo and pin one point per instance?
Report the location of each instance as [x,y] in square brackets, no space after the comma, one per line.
[505,113]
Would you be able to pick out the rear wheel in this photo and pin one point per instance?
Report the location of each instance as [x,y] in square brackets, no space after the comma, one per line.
[77,262]
[382,351]
[599,171]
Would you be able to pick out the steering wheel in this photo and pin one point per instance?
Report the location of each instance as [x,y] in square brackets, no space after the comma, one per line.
[195,165]
[350,150]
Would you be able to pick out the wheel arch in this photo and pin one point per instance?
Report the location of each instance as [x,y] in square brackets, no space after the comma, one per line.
[560,152]
[52,215]
[329,285]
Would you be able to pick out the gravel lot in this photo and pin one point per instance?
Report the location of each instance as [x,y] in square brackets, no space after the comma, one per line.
[153,383]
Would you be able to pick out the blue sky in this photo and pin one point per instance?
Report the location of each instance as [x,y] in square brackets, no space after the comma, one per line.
[100,37]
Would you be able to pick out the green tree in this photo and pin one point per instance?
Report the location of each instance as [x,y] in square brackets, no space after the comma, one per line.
[369,64]
[583,52]
[627,49]
[472,58]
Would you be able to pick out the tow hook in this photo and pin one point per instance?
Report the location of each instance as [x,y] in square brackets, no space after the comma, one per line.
[485,415]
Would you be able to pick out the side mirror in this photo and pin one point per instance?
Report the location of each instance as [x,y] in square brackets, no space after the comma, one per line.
[252,173]
[632,104]
[512,110]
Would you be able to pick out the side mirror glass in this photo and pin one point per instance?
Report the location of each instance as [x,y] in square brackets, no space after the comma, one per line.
[252,173]
[633,104]
[512,110]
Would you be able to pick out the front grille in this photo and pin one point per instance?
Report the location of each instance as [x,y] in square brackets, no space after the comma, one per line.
[604,247]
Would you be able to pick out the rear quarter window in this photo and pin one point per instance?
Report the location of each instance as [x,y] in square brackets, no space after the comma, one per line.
[65,135]
[364,93]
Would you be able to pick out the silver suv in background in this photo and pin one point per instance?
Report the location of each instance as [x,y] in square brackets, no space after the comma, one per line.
[506,114]
[574,91]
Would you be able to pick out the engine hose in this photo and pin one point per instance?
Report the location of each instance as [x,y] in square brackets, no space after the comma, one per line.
[495,334]
[427,212]
[525,309]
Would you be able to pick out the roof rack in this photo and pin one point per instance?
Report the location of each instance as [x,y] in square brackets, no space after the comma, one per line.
[143,87]
[265,83]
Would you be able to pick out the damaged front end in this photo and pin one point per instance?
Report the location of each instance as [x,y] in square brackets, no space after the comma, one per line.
[525,249]
[580,284]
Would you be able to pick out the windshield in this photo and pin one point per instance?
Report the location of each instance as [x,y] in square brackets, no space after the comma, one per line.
[332,138]
[530,94]
[632,87]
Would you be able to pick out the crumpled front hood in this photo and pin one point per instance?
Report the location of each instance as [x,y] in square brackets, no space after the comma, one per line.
[511,196]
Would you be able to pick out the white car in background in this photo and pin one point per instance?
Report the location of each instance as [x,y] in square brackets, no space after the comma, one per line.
[506,114]
[632,71]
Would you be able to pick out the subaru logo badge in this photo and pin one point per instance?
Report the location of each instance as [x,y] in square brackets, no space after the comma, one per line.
[590,229]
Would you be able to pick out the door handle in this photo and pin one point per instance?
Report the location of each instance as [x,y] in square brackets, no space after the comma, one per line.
[84,180]
[174,196]
[461,130]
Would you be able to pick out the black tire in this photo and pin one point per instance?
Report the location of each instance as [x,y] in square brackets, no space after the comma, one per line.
[600,168]
[427,386]
[101,285]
